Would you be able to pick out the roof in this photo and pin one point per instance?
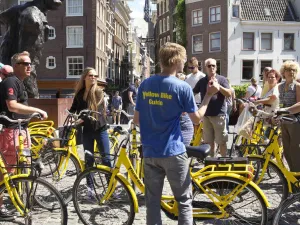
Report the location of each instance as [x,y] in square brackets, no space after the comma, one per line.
[267,10]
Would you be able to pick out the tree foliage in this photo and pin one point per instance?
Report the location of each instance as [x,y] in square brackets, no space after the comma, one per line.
[180,23]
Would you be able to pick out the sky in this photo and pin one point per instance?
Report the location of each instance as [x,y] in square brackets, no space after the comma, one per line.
[137,8]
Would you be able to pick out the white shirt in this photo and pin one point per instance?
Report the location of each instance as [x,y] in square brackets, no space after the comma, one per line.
[251,89]
[192,80]
[275,104]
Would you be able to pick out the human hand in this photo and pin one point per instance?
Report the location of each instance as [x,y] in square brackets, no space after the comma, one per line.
[213,86]
[44,114]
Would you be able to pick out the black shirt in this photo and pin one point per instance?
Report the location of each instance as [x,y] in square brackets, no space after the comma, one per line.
[12,88]
[89,125]
[217,104]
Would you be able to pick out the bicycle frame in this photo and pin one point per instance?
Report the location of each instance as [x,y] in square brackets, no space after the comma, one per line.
[168,202]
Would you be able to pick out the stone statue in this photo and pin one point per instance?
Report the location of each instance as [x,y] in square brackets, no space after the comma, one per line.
[27,30]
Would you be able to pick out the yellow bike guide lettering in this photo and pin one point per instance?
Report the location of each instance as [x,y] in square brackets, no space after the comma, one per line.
[151,95]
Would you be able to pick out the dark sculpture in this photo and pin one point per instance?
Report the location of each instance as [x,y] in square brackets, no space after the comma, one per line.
[27,30]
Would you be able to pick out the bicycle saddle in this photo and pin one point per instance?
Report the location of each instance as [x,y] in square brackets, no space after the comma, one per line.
[200,152]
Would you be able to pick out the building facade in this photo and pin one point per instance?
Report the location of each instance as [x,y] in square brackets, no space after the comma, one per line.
[206,28]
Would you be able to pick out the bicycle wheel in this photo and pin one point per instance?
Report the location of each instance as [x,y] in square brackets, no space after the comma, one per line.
[61,171]
[288,212]
[118,209]
[275,187]
[34,191]
[248,207]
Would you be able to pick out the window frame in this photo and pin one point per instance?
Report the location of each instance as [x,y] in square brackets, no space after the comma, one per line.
[217,21]
[253,42]
[199,52]
[48,61]
[67,36]
[261,69]
[253,69]
[67,67]
[261,39]
[67,9]
[239,11]
[54,33]
[294,42]
[198,24]
[209,36]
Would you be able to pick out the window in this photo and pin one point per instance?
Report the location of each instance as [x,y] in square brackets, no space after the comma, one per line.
[75,37]
[167,5]
[103,12]
[266,41]
[236,11]
[98,38]
[197,17]
[160,27]
[248,41]
[215,41]
[51,34]
[98,9]
[162,7]
[197,45]
[74,66]
[248,69]
[50,62]
[264,64]
[160,42]
[103,42]
[74,7]
[163,25]
[21,2]
[289,41]
[215,14]
[218,66]
[168,26]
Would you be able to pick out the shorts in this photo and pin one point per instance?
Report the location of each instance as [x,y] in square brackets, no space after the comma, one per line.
[214,129]
[9,143]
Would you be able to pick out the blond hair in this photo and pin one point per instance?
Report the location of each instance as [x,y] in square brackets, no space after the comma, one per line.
[210,60]
[16,57]
[194,61]
[95,97]
[290,65]
[171,54]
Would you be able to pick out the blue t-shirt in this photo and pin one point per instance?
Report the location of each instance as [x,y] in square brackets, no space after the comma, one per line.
[160,102]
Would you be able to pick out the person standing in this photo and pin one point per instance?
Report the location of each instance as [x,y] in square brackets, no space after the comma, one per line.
[116,105]
[253,91]
[161,100]
[194,76]
[231,105]
[88,95]
[132,93]
[14,104]
[289,95]
[215,116]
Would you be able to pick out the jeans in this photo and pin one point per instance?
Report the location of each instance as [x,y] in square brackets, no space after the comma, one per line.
[176,168]
[102,140]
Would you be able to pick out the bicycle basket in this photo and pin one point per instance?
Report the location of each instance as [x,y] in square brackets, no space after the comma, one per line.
[65,133]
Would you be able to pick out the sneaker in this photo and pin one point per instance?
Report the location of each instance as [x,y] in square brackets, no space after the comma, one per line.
[5,214]
[119,124]
[114,123]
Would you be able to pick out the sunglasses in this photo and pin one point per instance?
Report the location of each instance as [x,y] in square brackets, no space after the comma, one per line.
[191,67]
[24,63]
[209,66]
[291,70]
[92,75]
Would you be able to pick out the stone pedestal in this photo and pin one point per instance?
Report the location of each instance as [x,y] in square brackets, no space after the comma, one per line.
[54,107]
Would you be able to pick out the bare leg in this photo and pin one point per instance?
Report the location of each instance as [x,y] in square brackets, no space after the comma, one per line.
[212,149]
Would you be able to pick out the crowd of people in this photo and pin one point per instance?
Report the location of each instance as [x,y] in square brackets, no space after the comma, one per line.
[168,107]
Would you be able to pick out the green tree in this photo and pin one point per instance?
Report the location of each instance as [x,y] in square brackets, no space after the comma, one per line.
[180,23]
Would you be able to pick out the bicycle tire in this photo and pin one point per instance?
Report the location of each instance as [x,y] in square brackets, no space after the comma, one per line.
[288,212]
[237,214]
[275,187]
[41,191]
[120,206]
[52,172]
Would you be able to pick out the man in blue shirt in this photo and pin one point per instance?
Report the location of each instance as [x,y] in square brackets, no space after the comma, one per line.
[160,102]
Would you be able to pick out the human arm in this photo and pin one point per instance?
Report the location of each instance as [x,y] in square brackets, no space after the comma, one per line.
[74,106]
[225,88]
[233,101]
[212,88]
[136,117]
[14,106]
[266,101]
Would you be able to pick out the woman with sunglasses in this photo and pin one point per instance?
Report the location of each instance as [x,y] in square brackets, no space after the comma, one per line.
[88,95]
[289,94]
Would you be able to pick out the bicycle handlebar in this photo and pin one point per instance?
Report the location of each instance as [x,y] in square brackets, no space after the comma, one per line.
[82,112]
[127,115]
[37,115]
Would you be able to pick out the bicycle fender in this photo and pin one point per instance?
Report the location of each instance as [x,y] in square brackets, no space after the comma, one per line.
[239,177]
[126,182]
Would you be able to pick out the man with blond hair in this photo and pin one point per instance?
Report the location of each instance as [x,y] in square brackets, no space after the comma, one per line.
[161,100]
[214,121]
[194,76]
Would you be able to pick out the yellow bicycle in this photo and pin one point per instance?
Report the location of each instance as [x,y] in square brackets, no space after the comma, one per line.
[222,191]
[26,195]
